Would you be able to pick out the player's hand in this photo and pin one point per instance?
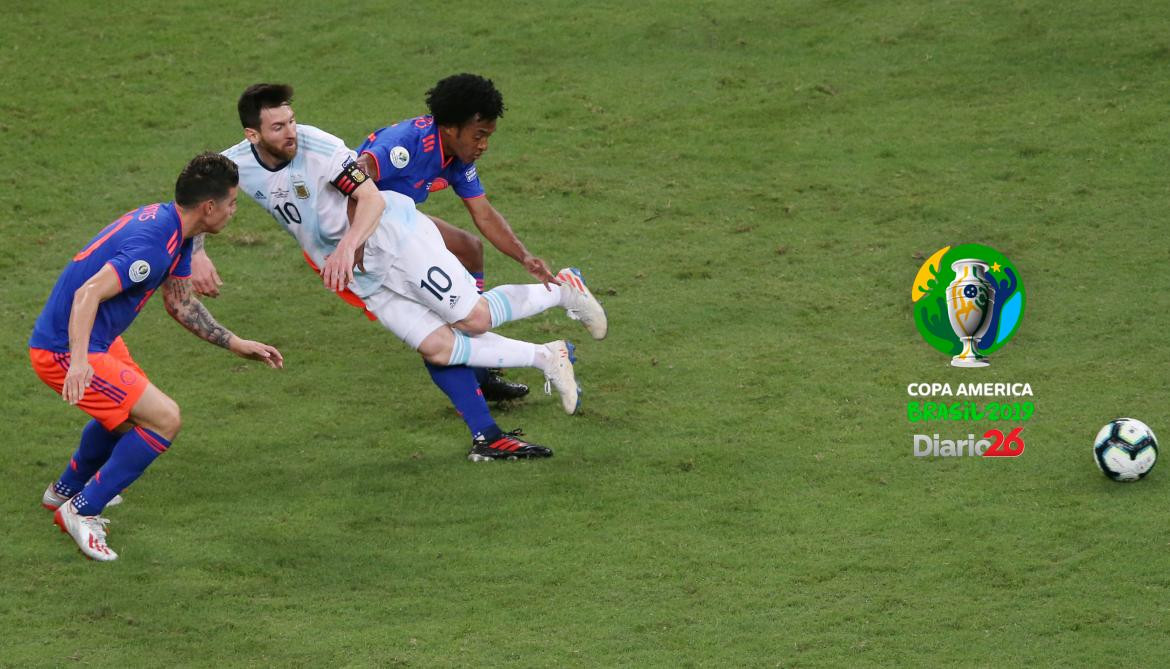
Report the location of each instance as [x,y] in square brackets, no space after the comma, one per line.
[537,268]
[338,269]
[77,379]
[254,350]
[204,279]
[359,258]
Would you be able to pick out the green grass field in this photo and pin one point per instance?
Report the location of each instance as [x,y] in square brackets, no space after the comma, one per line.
[750,188]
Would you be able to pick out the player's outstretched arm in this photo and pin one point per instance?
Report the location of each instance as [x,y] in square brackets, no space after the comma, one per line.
[369,205]
[184,306]
[204,278]
[101,286]
[495,229]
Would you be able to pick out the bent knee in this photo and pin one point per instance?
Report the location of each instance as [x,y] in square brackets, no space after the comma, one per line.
[478,321]
[172,418]
[468,248]
[166,420]
[470,245]
[436,347]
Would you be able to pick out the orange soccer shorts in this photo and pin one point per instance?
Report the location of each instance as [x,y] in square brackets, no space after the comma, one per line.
[348,295]
[118,381]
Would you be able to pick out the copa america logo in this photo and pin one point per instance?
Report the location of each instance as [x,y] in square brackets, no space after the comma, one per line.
[970,303]
[979,291]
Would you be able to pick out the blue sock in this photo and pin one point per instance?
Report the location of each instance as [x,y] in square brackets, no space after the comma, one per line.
[481,376]
[132,455]
[459,384]
[96,445]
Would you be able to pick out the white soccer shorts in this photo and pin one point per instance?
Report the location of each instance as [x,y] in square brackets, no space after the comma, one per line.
[423,286]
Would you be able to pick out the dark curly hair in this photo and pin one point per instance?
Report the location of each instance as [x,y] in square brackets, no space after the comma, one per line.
[461,98]
[261,96]
[209,176]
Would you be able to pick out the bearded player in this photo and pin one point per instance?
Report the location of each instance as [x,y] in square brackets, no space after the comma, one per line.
[389,259]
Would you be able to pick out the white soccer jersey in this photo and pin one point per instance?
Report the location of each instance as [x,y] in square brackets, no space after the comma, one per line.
[300,196]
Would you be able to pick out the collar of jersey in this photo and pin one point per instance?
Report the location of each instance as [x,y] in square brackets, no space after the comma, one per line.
[261,162]
[443,160]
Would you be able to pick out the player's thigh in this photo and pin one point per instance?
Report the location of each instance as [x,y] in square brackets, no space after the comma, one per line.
[427,273]
[466,247]
[407,319]
[116,387]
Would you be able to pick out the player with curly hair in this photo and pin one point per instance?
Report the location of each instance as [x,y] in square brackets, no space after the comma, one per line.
[409,160]
[433,152]
[378,252]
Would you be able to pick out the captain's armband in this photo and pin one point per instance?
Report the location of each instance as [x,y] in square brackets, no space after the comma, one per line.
[352,176]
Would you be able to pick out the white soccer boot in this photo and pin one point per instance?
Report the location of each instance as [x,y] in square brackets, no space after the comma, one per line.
[89,532]
[52,501]
[560,374]
[580,303]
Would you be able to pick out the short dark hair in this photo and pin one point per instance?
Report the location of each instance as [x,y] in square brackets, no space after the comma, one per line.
[461,98]
[261,96]
[209,176]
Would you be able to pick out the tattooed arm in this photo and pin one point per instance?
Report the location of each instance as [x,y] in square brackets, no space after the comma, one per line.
[184,306]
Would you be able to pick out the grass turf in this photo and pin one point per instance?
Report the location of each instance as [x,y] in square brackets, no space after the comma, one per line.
[751,187]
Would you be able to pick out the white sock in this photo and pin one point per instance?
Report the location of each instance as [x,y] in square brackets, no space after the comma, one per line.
[516,301]
[492,350]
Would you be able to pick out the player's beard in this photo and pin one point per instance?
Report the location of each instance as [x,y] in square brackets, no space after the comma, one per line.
[281,153]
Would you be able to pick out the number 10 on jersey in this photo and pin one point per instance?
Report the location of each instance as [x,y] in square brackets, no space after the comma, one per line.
[437,282]
[288,213]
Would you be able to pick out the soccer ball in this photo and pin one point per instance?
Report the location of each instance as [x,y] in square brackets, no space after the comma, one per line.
[1125,449]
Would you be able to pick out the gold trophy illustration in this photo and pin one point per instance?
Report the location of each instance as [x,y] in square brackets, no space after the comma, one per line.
[970,303]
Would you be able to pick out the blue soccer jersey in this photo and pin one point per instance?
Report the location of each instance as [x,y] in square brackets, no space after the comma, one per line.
[410,161]
[144,247]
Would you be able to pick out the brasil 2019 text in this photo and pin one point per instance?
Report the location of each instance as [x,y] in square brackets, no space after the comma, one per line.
[969,411]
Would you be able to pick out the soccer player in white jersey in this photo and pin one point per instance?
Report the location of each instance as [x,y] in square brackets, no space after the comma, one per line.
[392,260]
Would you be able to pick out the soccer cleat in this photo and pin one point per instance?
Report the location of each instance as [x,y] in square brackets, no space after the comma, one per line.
[561,376]
[52,501]
[89,532]
[497,389]
[580,303]
[507,447]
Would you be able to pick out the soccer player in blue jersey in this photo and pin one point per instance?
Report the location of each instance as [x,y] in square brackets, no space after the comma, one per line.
[397,268]
[456,380]
[428,153]
[76,346]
